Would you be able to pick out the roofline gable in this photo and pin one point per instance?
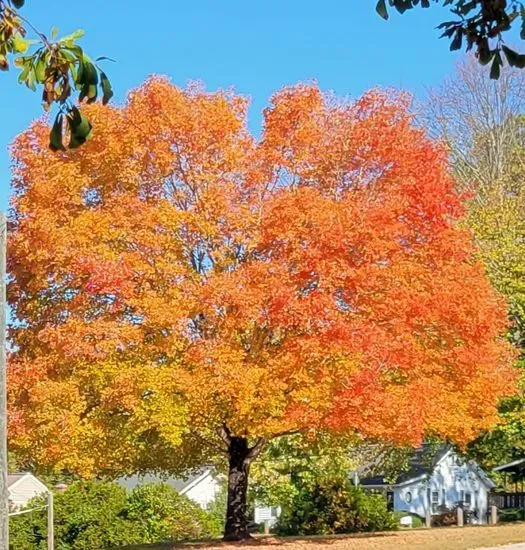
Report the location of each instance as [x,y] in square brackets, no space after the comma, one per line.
[482,474]
[513,463]
[24,476]
[445,455]
[411,480]
[195,482]
[16,482]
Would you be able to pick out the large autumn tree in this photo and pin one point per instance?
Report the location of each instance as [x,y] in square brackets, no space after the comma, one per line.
[181,289]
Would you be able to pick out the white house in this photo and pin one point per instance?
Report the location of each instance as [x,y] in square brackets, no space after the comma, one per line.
[202,487]
[22,487]
[445,481]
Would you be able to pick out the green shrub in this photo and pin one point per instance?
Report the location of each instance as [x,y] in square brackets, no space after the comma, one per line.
[96,515]
[160,513]
[28,531]
[87,516]
[217,507]
[512,514]
[335,506]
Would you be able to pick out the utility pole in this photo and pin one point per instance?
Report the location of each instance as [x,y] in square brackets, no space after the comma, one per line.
[50,522]
[4,495]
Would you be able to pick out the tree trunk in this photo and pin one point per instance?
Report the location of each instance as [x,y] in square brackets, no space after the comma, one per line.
[236,527]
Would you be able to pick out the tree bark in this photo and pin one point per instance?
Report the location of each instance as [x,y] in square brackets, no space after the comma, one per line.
[236,527]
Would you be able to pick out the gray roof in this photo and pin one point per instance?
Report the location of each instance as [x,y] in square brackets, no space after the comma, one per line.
[515,466]
[179,484]
[13,478]
[419,464]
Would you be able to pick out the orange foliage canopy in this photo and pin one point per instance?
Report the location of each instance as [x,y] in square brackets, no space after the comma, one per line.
[176,275]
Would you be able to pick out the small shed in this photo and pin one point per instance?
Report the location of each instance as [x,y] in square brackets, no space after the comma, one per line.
[22,487]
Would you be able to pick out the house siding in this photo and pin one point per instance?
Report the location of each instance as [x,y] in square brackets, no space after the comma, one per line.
[417,505]
[202,488]
[204,491]
[24,490]
[452,480]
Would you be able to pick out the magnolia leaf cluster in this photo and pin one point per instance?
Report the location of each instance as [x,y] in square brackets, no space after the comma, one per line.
[59,66]
[478,25]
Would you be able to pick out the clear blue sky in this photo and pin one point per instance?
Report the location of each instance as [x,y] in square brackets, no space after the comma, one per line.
[254,46]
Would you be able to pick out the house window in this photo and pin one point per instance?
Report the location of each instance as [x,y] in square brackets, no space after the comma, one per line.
[435,501]
[408,497]
[462,496]
[468,499]
[443,497]
[274,511]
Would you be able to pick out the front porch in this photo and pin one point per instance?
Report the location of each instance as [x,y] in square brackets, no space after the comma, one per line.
[505,500]
[512,497]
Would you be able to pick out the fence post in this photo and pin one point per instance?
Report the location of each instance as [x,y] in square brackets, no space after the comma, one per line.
[460,516]
[428,520]
[50,522]
[493,515]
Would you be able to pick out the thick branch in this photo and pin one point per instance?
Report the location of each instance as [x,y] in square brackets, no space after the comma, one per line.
[256,450]
[224,433]
[212,443]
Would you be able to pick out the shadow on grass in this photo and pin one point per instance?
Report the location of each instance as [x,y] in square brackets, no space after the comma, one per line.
[262,540]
